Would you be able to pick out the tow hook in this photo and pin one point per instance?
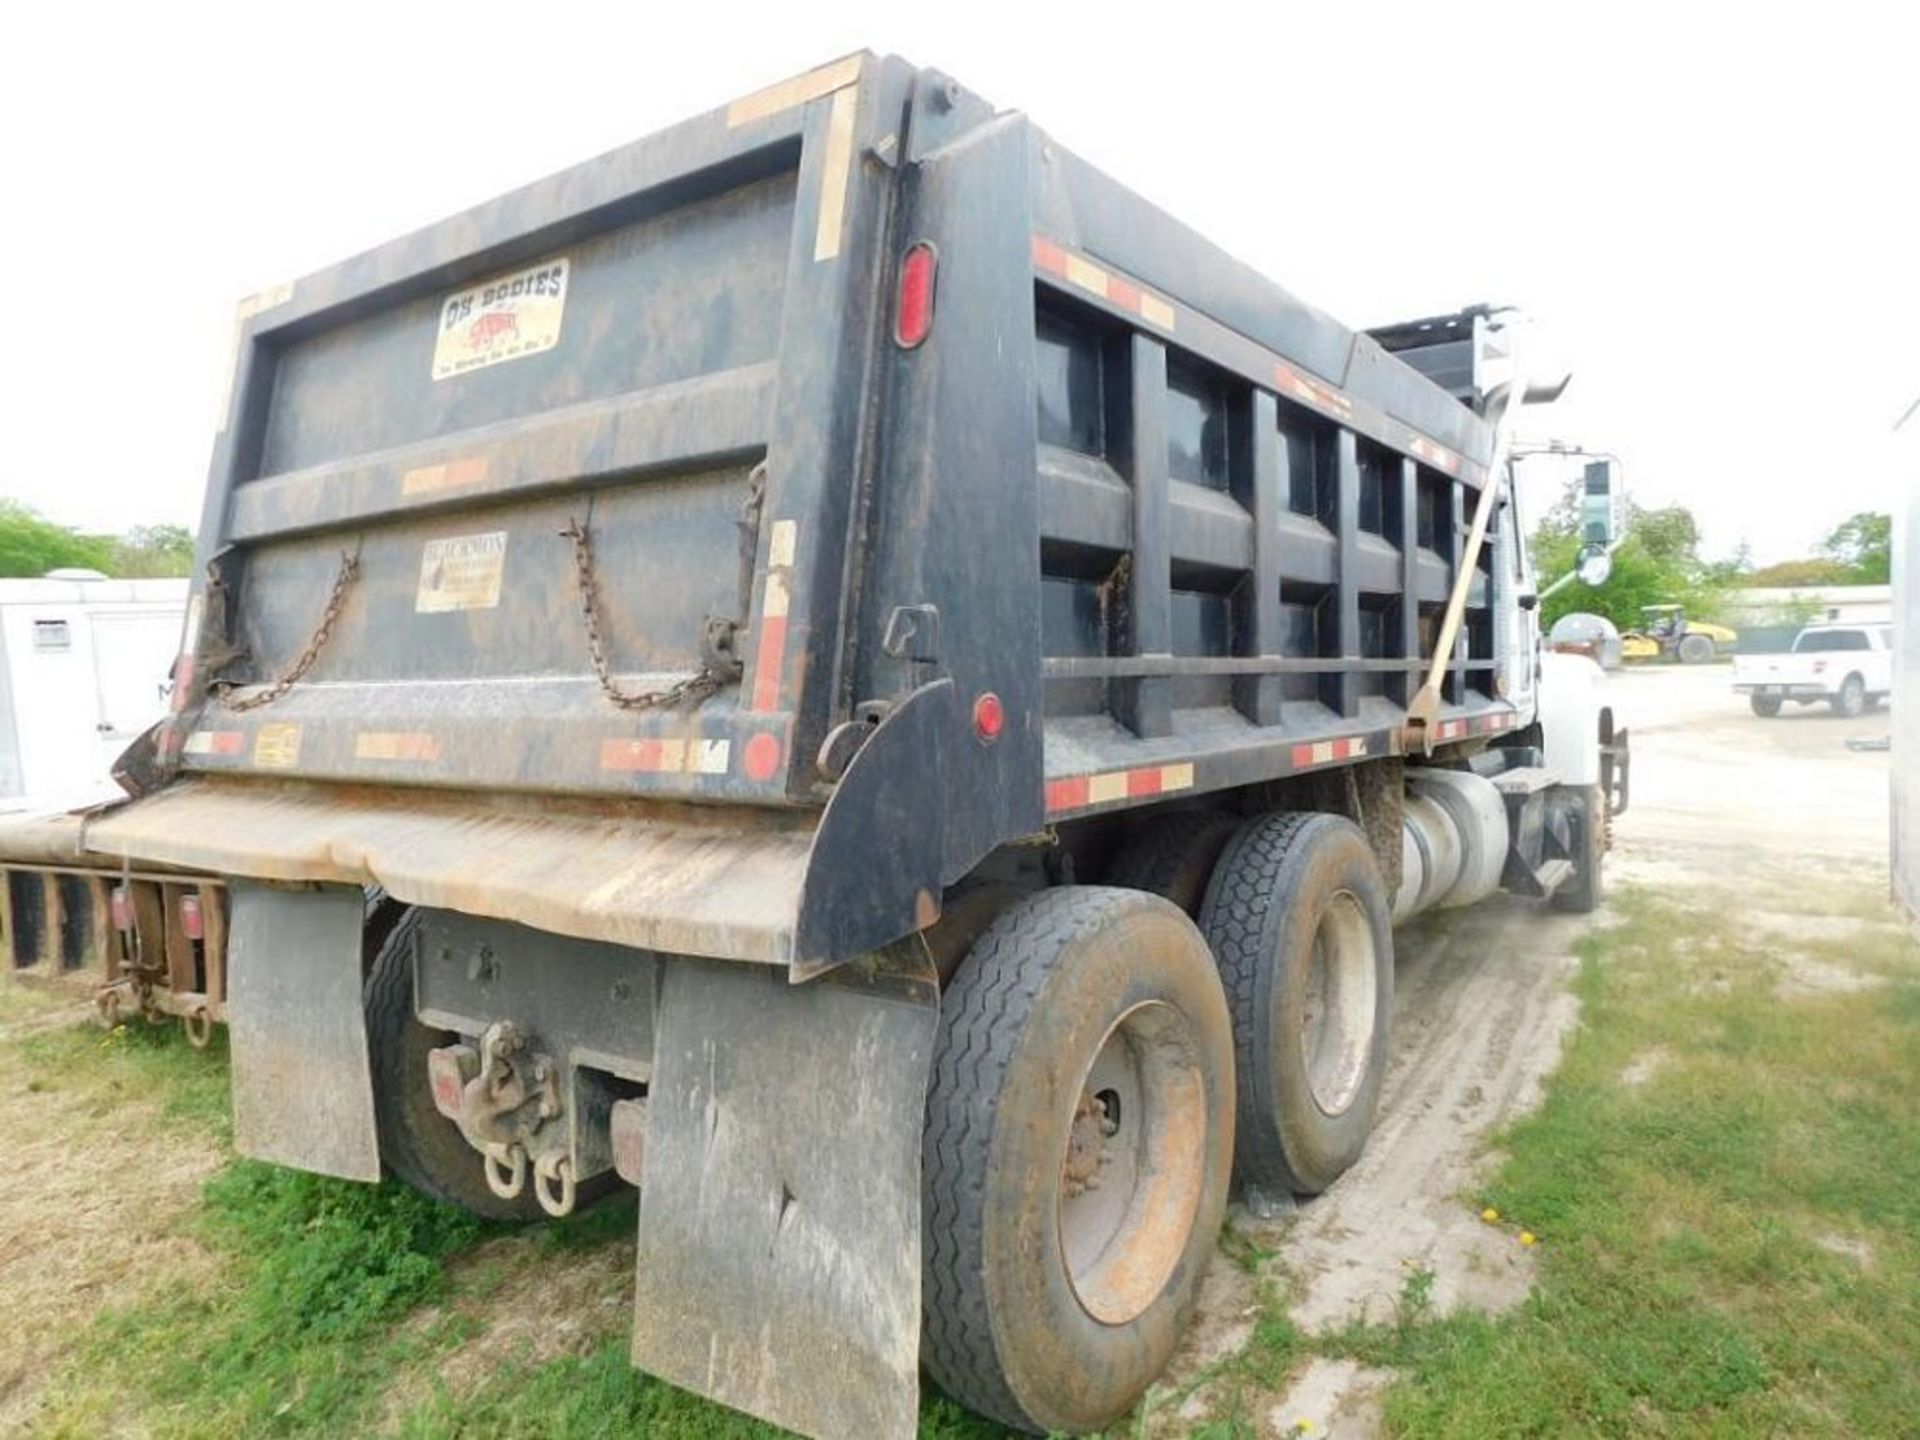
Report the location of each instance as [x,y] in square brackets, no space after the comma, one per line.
[505,1097]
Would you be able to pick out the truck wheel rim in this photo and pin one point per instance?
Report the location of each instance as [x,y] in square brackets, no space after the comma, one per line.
[1342,993]
[1130,1180]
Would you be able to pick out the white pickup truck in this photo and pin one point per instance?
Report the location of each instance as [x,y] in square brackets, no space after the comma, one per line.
[1848,666]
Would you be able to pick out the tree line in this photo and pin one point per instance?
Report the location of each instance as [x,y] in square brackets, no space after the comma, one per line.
[1659,562]
[31,545]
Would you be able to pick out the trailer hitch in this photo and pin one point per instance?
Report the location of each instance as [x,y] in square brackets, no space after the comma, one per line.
[506,1099]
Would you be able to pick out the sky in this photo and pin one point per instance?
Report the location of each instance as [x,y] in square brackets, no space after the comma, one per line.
[1709,210]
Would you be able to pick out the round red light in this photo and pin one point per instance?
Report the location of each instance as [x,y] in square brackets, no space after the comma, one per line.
[989,717]
[762,757]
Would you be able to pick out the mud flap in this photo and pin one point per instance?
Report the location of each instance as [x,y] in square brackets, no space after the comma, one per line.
[779,1249]
[302,1079]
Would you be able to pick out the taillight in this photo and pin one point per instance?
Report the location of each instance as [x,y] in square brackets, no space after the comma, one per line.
[190,920]
[913,315]
[989,718]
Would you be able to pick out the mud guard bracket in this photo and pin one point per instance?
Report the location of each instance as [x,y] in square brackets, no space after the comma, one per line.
[302,1079]
[779,1248]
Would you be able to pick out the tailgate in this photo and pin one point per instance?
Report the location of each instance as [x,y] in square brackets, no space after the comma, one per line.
[442,454]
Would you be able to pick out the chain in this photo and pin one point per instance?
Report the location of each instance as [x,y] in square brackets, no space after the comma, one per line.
[695,687]
[222,691]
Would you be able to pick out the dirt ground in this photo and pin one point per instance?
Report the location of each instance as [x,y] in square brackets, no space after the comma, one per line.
[1721,800]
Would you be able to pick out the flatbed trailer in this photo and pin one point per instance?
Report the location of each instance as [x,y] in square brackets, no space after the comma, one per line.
[838,665]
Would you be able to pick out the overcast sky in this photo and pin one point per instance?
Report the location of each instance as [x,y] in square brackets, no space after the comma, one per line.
[1713,218]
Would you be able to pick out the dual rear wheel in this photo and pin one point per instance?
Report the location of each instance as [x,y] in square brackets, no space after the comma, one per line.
[1105,1068]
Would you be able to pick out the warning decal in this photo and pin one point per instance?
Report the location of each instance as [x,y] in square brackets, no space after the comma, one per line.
[508,318]
[461,572]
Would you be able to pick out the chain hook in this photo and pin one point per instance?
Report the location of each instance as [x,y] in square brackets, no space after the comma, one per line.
[336,598]
[554,1169]
[506,1169]
[198,1023]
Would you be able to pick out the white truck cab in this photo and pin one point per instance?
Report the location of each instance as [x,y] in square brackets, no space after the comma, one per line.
[1850,667]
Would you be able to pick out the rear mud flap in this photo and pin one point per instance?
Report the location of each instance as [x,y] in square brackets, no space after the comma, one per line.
[779,1249]
[302,1080]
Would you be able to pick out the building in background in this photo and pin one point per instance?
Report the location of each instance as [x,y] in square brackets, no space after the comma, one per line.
[85,666]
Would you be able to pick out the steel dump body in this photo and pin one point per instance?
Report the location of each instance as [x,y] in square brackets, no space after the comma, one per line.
[1189,532]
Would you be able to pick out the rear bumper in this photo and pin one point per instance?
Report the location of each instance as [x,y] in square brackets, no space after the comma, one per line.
[681,879]
[1795,691]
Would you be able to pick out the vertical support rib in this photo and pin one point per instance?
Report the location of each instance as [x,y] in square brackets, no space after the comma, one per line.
[1258,696]
[1345,693]
[1456,687]
[1407,642]
[1142,703]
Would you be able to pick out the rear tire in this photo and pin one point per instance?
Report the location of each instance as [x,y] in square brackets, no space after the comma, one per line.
[1851,702]
[1582,891]
[1299,923]
[417,1143]
[1173,855]
[1078,1150]
[1697,650]
[1765,706]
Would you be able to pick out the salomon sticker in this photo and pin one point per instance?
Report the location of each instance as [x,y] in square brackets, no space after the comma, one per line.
[508,318]
[461,572]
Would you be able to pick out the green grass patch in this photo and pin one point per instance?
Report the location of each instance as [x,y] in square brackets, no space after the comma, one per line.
[1730,1246]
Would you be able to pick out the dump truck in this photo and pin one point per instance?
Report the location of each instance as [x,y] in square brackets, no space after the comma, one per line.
[838,666]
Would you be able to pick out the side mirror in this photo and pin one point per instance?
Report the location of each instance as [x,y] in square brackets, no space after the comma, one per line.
[1596,566]
[1530,600]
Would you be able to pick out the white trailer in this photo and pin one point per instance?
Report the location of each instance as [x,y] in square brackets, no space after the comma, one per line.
[85,666]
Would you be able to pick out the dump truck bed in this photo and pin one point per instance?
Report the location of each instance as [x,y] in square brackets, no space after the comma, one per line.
[621,497]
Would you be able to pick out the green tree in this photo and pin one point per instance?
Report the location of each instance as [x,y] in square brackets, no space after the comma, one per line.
[146,551]
[1658,562]
[1861,548]
[1797,574]
[31,544]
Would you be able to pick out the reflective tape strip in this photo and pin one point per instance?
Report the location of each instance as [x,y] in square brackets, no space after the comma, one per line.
[1327,752]
[666,756]
[396,745]
[1118,291]
[776,599]
[1434,454]
[1076,792]
[835,173]
[1317,393]
[795,91]
[216,742]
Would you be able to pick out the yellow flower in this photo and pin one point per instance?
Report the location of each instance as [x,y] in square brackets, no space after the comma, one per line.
[1527,1237]
[1489,1215]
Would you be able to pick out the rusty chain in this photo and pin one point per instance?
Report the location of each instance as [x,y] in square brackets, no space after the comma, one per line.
[223,690]
[695,687]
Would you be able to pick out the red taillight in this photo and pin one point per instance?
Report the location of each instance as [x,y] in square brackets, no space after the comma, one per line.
[122,909]
[190,920]
[989,717]
[913,316]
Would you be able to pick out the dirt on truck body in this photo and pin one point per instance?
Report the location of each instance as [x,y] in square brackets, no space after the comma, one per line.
[837,665]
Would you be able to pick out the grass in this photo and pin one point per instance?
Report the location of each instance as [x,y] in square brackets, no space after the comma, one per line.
[1730,1246]
[1694,1275]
